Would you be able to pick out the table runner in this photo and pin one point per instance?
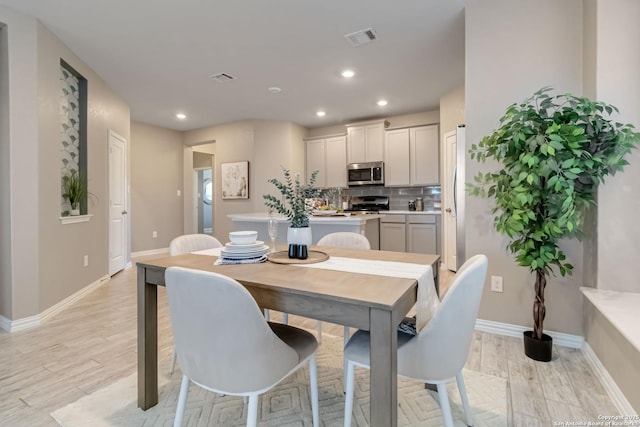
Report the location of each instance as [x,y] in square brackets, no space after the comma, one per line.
[427,301]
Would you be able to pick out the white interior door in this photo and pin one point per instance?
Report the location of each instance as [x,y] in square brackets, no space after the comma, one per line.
[117,202]
[449,209]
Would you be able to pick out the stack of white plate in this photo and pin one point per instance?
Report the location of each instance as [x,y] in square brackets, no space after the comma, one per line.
[236,252]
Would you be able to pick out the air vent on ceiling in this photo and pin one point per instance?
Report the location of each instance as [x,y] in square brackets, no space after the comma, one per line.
[222,77]
[361,37]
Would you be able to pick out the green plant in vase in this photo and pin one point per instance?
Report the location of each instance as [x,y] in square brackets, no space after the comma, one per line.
[74,189]
[554,151]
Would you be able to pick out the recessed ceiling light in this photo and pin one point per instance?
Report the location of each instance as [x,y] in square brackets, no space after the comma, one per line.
[348,74]
[275,89]
[321,113]
[382,102]
[181,116]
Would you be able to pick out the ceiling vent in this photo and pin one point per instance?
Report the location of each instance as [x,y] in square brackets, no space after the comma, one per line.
[361,37]
[222,77]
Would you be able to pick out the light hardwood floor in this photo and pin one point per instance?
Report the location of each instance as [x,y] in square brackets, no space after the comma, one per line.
[93,344]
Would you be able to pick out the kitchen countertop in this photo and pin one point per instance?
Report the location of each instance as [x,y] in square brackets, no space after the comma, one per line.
[408,212]
[264,216]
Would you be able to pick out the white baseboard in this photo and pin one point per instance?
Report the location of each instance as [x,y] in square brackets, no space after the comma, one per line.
[614,392]
[150,252]
[507,329]
[32,321]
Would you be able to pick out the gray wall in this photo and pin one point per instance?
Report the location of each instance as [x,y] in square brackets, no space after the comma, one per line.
[618,82]
[612,76]
[5,219]
[64,274]
[507,59]
[21,268]
[156,177]
[265,144]
[34,279]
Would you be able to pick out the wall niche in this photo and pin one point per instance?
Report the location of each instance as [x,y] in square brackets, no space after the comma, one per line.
[73,137]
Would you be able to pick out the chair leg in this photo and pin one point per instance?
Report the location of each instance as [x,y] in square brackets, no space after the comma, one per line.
[348,398]
[444,405]
[172,366]
[285,318]
[313,379]
[266,314]
[252,412]
[319,331]
[463,396]
[347,333]
[182,402]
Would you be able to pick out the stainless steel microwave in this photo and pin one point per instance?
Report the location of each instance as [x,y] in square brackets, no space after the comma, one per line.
[371,173]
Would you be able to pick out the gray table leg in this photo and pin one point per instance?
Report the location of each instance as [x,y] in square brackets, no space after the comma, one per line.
[383,374]
[147,342]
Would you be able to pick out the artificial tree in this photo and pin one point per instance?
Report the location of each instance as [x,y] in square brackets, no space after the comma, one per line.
[554,151]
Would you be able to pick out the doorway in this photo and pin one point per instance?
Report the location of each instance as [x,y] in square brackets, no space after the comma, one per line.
[448,202]
[204,200]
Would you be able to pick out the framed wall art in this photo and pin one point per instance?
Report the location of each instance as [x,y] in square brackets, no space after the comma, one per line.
[235,180]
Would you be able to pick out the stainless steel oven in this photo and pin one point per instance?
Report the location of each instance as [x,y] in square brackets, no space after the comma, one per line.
[371,173]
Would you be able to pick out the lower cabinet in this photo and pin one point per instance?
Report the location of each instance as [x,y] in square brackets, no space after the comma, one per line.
[393,233]
[416,233]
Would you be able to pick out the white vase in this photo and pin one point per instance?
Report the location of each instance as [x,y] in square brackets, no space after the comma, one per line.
[299,236]
[74,212]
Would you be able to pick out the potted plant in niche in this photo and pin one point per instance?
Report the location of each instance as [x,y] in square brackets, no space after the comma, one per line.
[554,151]
[297,205]
[74,189]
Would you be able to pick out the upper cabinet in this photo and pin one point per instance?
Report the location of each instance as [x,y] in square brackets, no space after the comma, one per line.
[365,141]
[412,156]
[329,156]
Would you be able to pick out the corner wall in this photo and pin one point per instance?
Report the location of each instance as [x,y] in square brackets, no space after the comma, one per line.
[155,205]
[5,207]
[507,59]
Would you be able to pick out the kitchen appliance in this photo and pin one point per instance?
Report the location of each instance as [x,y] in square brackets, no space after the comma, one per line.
[412,205]
[370,173]
[372,204]
[419,204]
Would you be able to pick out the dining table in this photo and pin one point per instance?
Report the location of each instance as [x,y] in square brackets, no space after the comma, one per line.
[373,302]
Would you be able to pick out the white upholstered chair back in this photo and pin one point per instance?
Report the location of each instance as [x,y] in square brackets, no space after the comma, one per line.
[222,340]
[440,350]
[192,243]
[345,239]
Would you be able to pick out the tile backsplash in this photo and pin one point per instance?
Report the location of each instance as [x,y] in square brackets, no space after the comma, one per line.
[399,196]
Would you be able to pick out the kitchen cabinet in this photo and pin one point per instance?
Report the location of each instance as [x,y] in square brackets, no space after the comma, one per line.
[412,156]
[416,233]
[365,141]
[393,233]
[329,156]
[422,234]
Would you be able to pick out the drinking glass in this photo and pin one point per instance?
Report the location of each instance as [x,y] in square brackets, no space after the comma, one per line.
[273,233]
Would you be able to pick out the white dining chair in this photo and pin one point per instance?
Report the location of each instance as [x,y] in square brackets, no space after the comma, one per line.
[343,239]
[192,243]
[183,245]
[439,351]
[225,345]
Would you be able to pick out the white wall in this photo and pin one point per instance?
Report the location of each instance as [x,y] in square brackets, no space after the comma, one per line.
[508,57]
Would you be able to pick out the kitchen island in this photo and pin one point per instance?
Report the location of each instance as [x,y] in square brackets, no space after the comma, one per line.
[366,224]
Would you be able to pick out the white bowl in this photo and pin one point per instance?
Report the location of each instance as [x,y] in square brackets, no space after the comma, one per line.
[243,237]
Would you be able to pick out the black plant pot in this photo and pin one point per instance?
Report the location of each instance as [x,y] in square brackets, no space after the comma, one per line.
[536,349]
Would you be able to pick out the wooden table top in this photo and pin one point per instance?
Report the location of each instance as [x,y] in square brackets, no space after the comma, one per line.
[354,288]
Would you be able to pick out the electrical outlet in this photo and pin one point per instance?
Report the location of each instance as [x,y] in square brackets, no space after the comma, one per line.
[86,260]
[179,193]
[496,283]
[155,234]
